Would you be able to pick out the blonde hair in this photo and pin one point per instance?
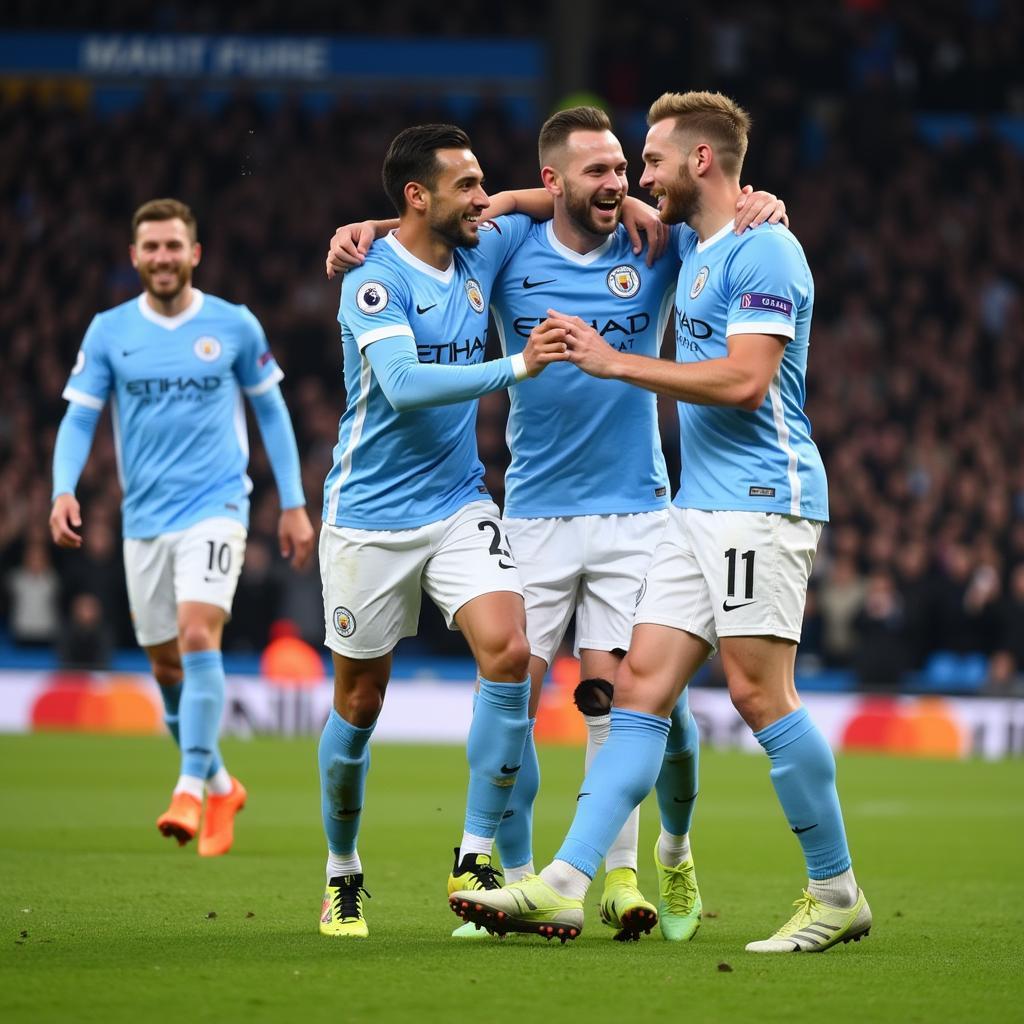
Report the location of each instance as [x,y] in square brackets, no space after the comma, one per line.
[715,118]
[164,209]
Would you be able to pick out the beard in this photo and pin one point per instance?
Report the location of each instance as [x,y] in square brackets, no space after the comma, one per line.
[449,225]
[682,198]
[581,212]
[168,291]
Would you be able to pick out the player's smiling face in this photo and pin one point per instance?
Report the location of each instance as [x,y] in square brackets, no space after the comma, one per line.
[458,199]
[667,175]
[164,255]
[593,170]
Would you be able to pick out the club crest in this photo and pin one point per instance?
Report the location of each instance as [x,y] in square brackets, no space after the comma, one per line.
[475,295]
[207,348]
[699,281]
[624,281]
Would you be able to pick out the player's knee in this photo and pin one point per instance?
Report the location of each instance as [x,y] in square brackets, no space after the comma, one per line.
[593,697]
[508,661]
[750,700]
[167,673]
[360,705]
[197,636]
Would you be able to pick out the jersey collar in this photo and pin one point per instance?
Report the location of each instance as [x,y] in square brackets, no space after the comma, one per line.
[444,276]
[581,259]
[171,322]
[725,230]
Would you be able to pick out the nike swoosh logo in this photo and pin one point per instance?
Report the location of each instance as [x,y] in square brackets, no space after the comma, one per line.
[726,607]
[505,770]
[211,579]
[677,800]
[579,796]
[797,831]
[129,351]
[527,283]
[424,309]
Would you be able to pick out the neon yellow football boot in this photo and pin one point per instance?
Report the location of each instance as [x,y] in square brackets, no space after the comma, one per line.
[679,905]
[529,905]
[342,911]
[624,908]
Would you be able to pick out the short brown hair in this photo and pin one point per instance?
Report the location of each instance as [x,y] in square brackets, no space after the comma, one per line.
[558,127]
[164,209]
[716,118]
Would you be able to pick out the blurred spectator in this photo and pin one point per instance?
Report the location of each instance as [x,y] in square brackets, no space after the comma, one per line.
[840,602]
[86,642]
[883,651]
[33,591]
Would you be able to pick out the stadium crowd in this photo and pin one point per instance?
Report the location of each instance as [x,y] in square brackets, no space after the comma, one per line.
[917,354]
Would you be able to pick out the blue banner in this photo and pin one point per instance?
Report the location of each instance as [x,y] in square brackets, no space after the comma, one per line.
[313,59]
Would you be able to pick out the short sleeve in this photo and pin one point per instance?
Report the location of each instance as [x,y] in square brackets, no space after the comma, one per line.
[91,378]
[374,305]
[255,367]
[769,282]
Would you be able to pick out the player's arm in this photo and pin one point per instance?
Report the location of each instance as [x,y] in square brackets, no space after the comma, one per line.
[740,380]
[294,530]
[86,393]
[409,384]
[70,453]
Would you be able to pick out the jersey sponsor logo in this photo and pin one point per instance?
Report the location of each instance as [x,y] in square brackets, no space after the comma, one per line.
[761,492]
[149,386]
[699,281]
[699,330]
[761,300]
[207,348]
[79,363]
[618,333]
[372,297]
[424,309]
[475,295]
[528,284]
[344,622]
[623,281]
[472,351]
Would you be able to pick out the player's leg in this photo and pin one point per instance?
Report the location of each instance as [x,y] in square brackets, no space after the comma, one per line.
[473,579]
[757,566]
[343,757]
[549,560]
[622,774]
[371,587]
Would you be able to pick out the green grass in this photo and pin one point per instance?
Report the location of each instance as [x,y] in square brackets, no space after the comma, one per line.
[101,919]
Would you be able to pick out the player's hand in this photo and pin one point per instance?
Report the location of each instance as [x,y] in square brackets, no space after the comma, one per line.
[587,349]
[65,518]
[349,246]
[754,208]
[295,535]
[546,344]
[641,219]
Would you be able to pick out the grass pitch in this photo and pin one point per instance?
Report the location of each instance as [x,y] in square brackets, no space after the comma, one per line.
[102,919]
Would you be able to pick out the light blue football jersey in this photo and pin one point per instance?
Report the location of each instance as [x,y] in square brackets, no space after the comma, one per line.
[175,387]
[398,471]
[580,445]
[765,461]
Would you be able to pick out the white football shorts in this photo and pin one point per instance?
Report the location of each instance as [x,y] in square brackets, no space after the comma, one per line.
[201,564]
[591,565]
[373,579]
[730,574]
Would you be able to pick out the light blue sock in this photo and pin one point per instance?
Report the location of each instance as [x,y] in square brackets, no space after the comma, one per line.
[344,758]
[199,711]
[515,833]
[494,750]
[620,776]
[172,699]
[677,782]
[804,776]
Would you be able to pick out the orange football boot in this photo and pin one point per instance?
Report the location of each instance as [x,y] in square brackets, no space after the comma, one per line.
[219,824]
[181,819]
